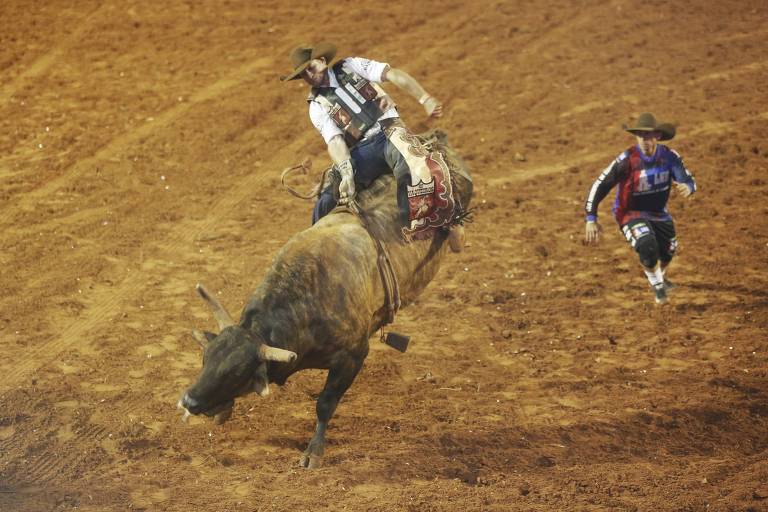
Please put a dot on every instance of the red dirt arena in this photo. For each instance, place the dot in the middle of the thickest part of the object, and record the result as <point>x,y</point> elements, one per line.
<point>141,145</point>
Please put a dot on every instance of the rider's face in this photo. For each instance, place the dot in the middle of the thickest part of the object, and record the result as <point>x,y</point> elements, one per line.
<point>315,72</point>
<point>647,142</point>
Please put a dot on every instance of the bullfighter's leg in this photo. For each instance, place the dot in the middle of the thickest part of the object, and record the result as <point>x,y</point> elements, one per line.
<point>340,377</point>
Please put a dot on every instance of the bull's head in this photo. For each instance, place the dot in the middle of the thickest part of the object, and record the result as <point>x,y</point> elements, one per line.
<point>234,364</point>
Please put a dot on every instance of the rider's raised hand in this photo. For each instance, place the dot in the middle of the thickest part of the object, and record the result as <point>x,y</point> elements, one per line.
<point>432,106</point>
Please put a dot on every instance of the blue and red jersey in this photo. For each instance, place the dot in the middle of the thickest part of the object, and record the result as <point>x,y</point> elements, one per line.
<point>642,184</point>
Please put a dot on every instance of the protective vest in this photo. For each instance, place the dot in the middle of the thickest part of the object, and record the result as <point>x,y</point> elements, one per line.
<point>353,106</point>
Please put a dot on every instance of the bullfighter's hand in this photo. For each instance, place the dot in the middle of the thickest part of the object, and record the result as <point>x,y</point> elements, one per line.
<point>433,107</point>
<point>683,189</point>
<point>592,232</point>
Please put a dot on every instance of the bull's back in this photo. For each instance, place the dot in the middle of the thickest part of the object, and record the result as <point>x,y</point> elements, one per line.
<point>324,276</point>
<point>329,271</point>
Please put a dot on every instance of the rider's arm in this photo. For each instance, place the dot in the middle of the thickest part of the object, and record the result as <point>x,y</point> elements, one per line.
<point>409,84</point>
<point>338,150</point>
<point>337,147</point>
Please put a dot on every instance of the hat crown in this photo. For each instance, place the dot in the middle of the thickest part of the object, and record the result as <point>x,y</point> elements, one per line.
<point>300,55</point>
<point>646,120</point>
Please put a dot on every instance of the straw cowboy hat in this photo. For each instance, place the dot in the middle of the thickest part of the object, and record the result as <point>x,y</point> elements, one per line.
<point>302,54</point>
<point>647,123</point>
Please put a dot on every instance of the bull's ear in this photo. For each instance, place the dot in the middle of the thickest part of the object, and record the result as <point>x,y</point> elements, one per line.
<point>203,337</point>
<point>267,353</point>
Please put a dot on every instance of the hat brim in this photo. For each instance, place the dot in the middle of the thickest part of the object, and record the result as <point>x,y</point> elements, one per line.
<point>324,50</point>
<point>296,72</point>
<point>666,131</point>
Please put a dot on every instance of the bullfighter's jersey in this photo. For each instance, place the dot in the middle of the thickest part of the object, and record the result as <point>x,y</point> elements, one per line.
<point>643,184</point>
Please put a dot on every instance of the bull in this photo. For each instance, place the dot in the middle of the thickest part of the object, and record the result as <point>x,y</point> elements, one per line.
<point>318,305</point>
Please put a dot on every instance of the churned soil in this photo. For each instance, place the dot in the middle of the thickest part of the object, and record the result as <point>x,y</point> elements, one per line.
<point>141,145</point>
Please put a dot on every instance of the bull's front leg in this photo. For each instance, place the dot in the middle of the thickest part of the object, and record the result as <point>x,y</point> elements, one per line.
<point>340,377</point>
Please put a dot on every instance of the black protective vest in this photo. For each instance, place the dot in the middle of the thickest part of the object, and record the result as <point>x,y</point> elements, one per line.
<point>355,108</point>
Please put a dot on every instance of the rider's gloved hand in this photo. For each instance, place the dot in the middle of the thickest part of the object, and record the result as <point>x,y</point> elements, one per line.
<point>347,185</point>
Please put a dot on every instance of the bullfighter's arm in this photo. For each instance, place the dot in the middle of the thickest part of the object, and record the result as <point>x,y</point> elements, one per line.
<point>406,82</point>
<point>686,184</point>
<point>599,189</point>
<point>339,153</point>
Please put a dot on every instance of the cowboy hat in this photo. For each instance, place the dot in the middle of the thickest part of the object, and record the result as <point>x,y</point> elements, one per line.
<point>302,54</point>
<point>647,123</point>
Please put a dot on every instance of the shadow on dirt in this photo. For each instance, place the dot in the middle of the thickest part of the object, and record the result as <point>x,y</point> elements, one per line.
<point>641,437</point>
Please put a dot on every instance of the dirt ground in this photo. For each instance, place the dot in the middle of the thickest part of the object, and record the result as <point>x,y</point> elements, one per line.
<point>140,151</point>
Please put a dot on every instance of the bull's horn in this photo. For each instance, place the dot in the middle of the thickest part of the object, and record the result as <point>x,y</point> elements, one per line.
<point>219,313</point>
<point>267,353</point>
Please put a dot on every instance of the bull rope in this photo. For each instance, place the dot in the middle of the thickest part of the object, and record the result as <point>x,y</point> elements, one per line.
<point>305,166</point>
<point>383,261</point>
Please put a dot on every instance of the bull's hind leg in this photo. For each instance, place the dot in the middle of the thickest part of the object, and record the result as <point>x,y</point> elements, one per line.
<point>340,377</point>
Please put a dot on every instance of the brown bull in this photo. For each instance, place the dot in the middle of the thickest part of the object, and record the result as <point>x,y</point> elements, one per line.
<point>317,307</point>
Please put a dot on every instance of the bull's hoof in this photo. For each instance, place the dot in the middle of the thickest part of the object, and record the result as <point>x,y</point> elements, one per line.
<point>223,416</point>
<point>310,460</point>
